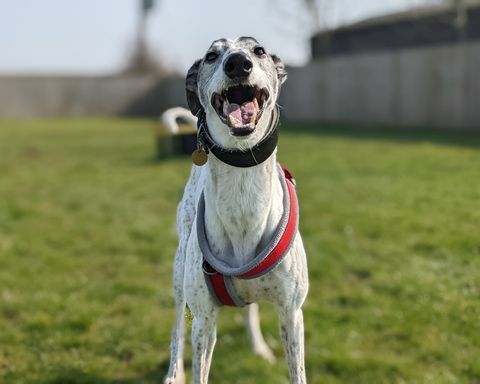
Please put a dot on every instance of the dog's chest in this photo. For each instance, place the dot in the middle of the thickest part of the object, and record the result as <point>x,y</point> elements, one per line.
<point>241,203</point>
<point>238,213</point>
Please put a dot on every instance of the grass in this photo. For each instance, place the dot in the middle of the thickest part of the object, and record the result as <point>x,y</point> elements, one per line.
<point>390,221</point>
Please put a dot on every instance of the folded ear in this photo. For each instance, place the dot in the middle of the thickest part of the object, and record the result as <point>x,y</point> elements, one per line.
<point>281,71</point>
<point>191,87</point>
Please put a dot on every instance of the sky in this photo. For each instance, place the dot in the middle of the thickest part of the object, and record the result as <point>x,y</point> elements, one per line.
<point>96,36</point>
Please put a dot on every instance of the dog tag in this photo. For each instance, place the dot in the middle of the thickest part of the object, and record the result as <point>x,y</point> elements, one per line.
<point>199,157</point>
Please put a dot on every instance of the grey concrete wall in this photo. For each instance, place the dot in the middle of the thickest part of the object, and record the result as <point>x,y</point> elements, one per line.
<point>28,97</point>
<point>433,87</point>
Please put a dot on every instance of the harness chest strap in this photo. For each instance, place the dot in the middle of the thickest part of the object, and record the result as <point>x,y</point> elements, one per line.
<point>218,274</point>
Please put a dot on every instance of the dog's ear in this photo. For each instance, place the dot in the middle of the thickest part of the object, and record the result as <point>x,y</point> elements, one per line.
<point>191,87</point>
<point>281,71</point>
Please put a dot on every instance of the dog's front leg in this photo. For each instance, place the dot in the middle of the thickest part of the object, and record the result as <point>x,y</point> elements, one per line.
<point>176,374</point>
<point>204,313</point>
<point>204,336</point>
<point>291,331</point>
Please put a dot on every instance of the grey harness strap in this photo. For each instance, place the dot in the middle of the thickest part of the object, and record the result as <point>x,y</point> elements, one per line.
<point>220,265</point>
<point>219,275</point>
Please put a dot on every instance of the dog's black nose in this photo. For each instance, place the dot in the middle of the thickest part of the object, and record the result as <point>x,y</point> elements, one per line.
<point>238,66</point>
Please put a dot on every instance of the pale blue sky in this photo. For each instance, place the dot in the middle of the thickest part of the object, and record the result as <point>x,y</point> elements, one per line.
<point>94,36</point>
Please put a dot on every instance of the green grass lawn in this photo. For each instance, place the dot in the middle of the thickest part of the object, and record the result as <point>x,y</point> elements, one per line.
<point>390,219</point>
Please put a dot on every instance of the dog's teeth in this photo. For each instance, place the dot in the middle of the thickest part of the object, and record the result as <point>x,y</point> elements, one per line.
<point>225,107</point>
<point>232,121</point>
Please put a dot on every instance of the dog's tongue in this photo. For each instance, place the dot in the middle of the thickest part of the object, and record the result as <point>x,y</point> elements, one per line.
<point>242,115</point>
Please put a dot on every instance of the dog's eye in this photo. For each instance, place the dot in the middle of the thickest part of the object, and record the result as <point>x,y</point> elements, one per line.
<point>211,57</point>
<point>259,51</point>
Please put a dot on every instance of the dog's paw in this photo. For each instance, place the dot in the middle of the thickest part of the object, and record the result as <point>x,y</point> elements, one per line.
<point>176,378</point>
<point>179,379</point>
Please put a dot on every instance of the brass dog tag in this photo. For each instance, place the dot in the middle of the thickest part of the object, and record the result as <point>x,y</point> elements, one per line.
<point>199,157</point>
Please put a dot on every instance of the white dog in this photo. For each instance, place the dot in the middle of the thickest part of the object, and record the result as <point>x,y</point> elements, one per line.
<point>237,221</point>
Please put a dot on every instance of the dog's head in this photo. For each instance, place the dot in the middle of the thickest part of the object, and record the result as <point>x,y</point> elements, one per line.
<point>236,84</point>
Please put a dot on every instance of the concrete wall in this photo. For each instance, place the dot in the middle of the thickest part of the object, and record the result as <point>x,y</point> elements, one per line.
<point>29,97</point>
<point>430,86</point>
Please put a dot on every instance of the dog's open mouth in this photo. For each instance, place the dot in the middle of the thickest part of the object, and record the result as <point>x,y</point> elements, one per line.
<point>240,107</point>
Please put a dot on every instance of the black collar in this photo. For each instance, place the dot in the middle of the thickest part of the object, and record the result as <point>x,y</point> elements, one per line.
<point>237,158</point>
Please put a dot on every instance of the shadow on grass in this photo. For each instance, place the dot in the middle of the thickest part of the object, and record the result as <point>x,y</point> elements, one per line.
<point>457,138</point>
<point>461,138</point>
<point>68,375</point>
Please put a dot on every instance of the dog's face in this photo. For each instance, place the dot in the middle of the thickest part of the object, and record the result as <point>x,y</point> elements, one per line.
<point>237,84</point>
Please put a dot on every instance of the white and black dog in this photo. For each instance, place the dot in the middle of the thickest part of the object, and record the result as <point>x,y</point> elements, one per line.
<point>238,218</point>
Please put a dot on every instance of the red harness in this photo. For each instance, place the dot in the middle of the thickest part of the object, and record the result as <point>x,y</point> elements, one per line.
<point>221,287</point>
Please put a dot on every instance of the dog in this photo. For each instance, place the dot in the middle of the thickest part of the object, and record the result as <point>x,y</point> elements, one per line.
<point>236,204</point>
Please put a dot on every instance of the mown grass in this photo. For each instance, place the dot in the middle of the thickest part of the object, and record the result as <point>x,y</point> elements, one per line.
<point>390,220</point>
